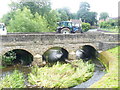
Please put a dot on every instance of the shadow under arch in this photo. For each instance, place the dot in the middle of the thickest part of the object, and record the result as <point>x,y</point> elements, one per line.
<point>22,56</point>
<point>55,54</point>
<point>86,52</point>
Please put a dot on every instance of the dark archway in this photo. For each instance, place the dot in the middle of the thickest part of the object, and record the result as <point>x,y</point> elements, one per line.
<point>55,54</point>
<point>21,56</point>
<point>86,52</point>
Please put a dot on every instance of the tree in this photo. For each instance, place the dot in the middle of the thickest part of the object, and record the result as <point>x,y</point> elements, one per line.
<point>83,11</point>
<point>7,17</point>
<point>52,18</point>
<point>63,15</point>
<point>24,21</point>
<point>104,15</point>
<point>91,18</point>
<point>39,6</point>
<point>42,7</point>
<point>84,6</point>
<point>85,15</point>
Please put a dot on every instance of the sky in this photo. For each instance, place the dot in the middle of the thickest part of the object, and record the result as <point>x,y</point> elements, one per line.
<point>109,6</point>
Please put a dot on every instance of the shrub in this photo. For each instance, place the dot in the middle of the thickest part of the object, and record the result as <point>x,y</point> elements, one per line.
<point>8,58</point>
<point>85,27</point>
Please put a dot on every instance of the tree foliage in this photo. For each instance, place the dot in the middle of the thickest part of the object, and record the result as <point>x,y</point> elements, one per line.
<point>39,6</point>
<point>85,15</point>
<point>37,16</point>
<point>104,15</point>
<point>109,24</point>
<point>24,21</point>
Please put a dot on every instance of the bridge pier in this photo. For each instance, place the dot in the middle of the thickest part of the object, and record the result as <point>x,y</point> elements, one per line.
<point>72,55</point>
<point>37,60</point>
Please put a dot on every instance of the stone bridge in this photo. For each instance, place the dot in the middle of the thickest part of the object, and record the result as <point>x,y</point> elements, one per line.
<point>37,43</point>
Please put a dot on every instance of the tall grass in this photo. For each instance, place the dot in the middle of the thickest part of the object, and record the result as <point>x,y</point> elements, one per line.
<point>14,80</point>
<point>61,75</point>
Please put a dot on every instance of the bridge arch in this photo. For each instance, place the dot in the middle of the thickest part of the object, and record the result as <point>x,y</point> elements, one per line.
<point>22,56</point>
<point>86,52</point>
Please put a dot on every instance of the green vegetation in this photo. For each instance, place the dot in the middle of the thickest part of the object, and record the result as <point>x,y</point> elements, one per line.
<point>61,75</point>
<point>14,80</point>
<point>104,15</point>
<point>110,80</point>
<point>111,29</point>
<point>111,25</point>
<point>38,16</point>
<point>28,22</point>
<point>8,58</point>
<point>86,15</point>
<point>85,27</point>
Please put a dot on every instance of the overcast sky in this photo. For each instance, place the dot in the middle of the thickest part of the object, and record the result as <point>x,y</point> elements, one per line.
<point>110,6</point>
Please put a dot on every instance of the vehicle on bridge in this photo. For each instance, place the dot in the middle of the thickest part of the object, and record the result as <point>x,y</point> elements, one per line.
<point>66,27</point>
<point>3,30</point>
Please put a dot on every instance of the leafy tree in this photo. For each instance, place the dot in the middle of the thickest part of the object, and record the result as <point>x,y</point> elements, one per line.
<point>104,15</point>
<point>91,18</point>
<point>42,7</point>
<point>39,6</point>
<point>83,11</point>
<point>7,17</point>
<point>84,6</point>
<point>85,15</point>
<point>52,18</point>
<point>24,21</point>
<point>63,15</point>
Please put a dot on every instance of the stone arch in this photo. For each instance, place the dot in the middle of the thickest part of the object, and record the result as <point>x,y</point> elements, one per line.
<point>22,56</point>
<point>86,52</point>
<point>13,48</point>
<point>52,46</point>
<point>54,54</point>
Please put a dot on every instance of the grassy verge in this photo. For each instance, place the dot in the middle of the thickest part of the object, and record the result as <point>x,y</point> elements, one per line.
<point>14,80</point>
<point>111,30</point>
<point>61,75</point>
<point>110,80</point>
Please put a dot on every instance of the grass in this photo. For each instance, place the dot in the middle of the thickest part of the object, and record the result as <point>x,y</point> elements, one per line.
<point>111,29</point>
<point>2,66</point>
<point>110,80</point>
<point>14,80</point>
<point>61,75</point>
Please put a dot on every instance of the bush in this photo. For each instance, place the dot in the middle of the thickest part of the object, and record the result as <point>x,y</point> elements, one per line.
<point>111,24</point>
<point>8,58</point>
<point>85,27</point>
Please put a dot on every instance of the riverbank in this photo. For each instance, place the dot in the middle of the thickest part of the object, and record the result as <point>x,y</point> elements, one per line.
<point>110,58</point>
